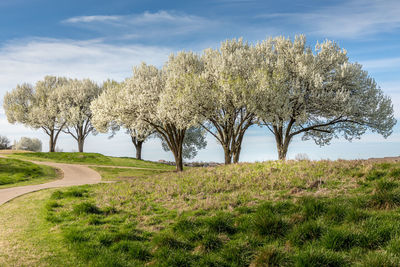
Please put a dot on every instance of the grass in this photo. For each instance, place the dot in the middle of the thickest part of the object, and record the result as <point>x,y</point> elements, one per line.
<point>90,159</point>
<point>26,239</point>
<point>264,214</point>
<point>120,174</point>
<point>15,172</point>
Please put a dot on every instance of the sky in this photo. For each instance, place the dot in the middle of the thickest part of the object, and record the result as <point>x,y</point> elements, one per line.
<point>101,39</point>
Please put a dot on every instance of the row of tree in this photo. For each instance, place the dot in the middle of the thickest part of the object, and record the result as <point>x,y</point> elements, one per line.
<point>280,84</point>
<point>55,104</point>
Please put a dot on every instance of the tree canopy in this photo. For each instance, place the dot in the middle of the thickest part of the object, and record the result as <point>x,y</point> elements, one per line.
<point>74,99</point>
<point>37,107</point>
<point>282,84</point>
<point>107,117</point>
<point>319,94</point>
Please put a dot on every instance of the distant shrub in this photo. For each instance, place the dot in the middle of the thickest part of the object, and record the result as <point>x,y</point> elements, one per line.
<point>29,144</point>
<point>4,142</point>
<point>301,157</point>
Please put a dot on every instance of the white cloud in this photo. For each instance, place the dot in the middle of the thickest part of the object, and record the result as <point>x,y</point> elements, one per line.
<point>87,19</point>
<point>30,60</point>
<point>144,25</point>
<point>350,19</point>
<point>382,64</point>
<point>161,16</point>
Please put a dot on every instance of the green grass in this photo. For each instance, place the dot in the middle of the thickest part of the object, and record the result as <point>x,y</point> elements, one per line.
<point>262,214</point>
<point>15,172</point>
<point>120,174</point>
<point>27,239</point>
<point>90,159</point>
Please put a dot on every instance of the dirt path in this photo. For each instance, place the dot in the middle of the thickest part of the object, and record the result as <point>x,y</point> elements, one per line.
<point>72,175</point>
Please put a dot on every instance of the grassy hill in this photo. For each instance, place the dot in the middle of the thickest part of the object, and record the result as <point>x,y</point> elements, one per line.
<point>327,213</point>
<point>15,172</point>
<point>90,159</point>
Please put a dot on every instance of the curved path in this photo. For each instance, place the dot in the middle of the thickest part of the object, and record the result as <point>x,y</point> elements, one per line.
<point>73,175</point>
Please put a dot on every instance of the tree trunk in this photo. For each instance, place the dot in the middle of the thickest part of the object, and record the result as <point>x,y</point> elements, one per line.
<point>283,149</point>
<point>178,162</point>
<point>228,155</point>
<point>177,147</point>
<point>81,142</point>
<point>52,142</point>
<point>51,145</point>
<point>236,155</point>
<point>237,148</point>
<point>138,147</point>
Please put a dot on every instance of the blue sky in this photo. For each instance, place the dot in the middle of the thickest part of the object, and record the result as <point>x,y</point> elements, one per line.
<point>104,39</point>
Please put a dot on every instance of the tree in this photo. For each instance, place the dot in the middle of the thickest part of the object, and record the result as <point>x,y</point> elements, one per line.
<point>157,97</point>
<point>107,119</point>
<point>195,139</point>
<point>37,107</point>
<point>4,142</point>
<point>75,98</point>
<point>29,144</point>
<point>223,99</point>
<point>319,94</point>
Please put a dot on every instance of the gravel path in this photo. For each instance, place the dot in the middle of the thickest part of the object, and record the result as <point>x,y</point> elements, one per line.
<point>72,175</point>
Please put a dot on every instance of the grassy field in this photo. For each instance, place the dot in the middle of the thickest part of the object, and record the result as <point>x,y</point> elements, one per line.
<point>90,159</point>
<point>15,172</point>
<point>122,174</point>
<point>340,213</point>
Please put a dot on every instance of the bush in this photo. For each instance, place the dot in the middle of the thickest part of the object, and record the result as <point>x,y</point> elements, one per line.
<point>29,144</point>
<point>302,157</point>
<point>4,142</point>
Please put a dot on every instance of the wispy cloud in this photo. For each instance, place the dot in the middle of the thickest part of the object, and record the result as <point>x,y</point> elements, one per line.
<point>382,63</point>
<point>349,19</point>
<point>144,25</point>
<point>88,19</point>
<point>30,60</point>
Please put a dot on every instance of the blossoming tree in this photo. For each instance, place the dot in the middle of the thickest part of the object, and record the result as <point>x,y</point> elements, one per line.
<point>75,98</point>
<point>318,94</point>
<point>107,118</point>
<point>222,99</point>
<point>37,107</point>
<point>157,97</point>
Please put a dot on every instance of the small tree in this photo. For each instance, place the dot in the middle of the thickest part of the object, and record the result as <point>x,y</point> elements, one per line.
<point>37,107</point>
<point>222,100</point>
<point>158,98</point>
<point>318,94</point>
<point>106,117</point>
<point>75,98</point>
<point>29,144</point>
<point>4,142</point>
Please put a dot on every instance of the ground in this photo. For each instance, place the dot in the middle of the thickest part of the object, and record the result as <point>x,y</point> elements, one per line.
<point>15,172</point>
<point>326,213</point>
